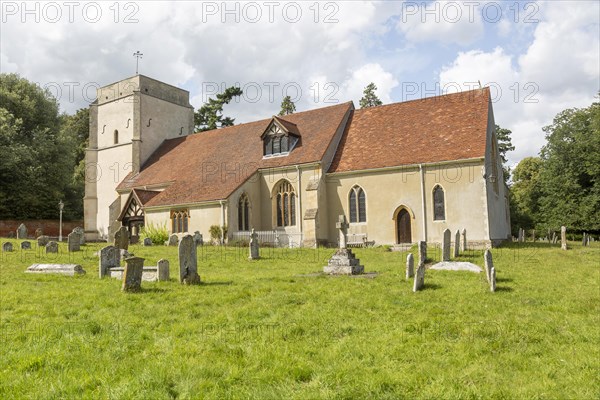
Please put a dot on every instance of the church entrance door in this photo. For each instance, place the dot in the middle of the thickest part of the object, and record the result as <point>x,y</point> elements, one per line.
<point>403,227</point>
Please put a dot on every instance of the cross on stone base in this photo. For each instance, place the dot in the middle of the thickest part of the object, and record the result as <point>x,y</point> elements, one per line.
<point>342,225</point>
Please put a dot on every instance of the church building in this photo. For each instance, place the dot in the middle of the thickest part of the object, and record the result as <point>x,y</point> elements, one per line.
<point>399,173</point>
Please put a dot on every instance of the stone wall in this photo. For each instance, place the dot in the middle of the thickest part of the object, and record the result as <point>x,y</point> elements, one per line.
<point>49,226</point>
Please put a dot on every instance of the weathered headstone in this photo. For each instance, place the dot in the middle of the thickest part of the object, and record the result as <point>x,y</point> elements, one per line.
<point>43,240</point>
<point>7,246</point>
<point>26,245</point>
<point>22,232</point>
<point>563,237</point>
<point>79,230</point>
<point>63,269</point>
<point>521,235</point>
<point>446,245</point>
<point>73,241</point>
<point>410,266</point>
<point>110,257</point>
<point>419,281</point>
<point>147,242</point>
<point>132,275</point>
<point>188,263</point>
<point>39,232</point>
<point>463,243</point>
<point>583,239</point>
<point>493,279</point>
<point>456,243</point>
<point>173,240</point>
<point>52,247</point>
<point>163,270</point>
<point>122,238</point>
<point>422,252</point>
<point>198,239</point>
<point>343,262</point>
<point>254,250</point>
<point>489,264</point>
<point>533,235</point>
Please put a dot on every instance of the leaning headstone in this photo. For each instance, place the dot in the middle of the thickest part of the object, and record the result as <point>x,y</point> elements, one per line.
<point>147,242</point>
<point>73,241</point>
<point>79,230</point>
<point>132,275</point>
<point>563,237</point>
<point>446,246</point>
<point>110,257</point>
<point>419,281</point>
<point>62,269</point>
<point>463,243</point>
<point>43,240</point>
<point>254,250</point>
<point>22,232</point>
<point>493,279</point>
<point>52,247</point>
<point>198,240</point>
<point>173,240</point>
<point>26,245</point>
<point>122,238</point>
<point>7,246</point>
<point>456,243</point>
<point>410,266</point>
<point>343,261</point>
<point>422,251</point>
<point>188,263</point>
<point>163,270</point>
<point>489,264</point>
<point>39,232</point>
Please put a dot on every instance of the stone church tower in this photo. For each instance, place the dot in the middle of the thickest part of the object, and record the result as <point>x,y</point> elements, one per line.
<point>128,122</point>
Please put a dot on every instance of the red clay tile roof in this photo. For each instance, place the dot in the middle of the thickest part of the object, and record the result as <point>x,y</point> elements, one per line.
<point>450,127</point>
<point>145,196</point>
<point>211,165</point>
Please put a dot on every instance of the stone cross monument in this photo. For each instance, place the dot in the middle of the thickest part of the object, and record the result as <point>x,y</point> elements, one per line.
<point>342,225</point>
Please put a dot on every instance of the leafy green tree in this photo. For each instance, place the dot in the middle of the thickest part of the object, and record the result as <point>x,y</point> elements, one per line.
<point>525,194</point>
<point>369,98</point>
<point>287,106</point>
<point>210,115</point>
<point>504,146</point>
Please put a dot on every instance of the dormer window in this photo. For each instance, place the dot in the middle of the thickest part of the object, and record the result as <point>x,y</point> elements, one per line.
<point>280,138</point>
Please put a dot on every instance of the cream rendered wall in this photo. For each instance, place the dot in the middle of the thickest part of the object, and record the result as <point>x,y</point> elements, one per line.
<point>270,178</point>
<point>252,188</point>
<point>116,115</point>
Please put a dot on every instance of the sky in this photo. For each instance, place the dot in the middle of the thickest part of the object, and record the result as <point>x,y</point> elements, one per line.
<point>538,57</point>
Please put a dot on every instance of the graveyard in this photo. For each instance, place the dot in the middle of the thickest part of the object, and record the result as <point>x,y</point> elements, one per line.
<point>276,326</point>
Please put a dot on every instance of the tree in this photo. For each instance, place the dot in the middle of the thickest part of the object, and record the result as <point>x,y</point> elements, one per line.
<point>525,194</point>
<point>287,106</point>
<point>504,146</point>
<point>369,98</point>
<point>210,115</point>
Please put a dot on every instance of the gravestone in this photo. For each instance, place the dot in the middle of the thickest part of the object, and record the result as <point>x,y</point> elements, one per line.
<point>7,246</point>
<point>163,270</point>
<point>26,245</point>
<point>456,243</point>
<point>62,269</point>
<point>410,266</point>
<point>464,240</point>
<point>422,252</point>
<point>563,238</point>
<point>132,275</point>
<point>254,251</point>
<point>173,240</point>
<point>583,239</point>
<point>493,279</point>
<point>11,235</point>
<point>79,230</point>
<point>73,241</point>
<point>122,238</point>
<point>22,232</point>
<point>198,239</point>
<point>52,247</point>
<point>521,235</point>
<point>533,235</point>
<point>343,262</point>
<point>419,281</point>
<point>43,240</point>
<point>446,246</point>
<point>554,237</point>
<point>188,263</point>
<point>489,264</point>
<point>39,232</point>
<point>147,242</point>
<point>110,257</point>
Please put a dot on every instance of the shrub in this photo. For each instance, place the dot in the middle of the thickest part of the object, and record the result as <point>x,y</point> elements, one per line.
<point>157,233</point>
<point>215,233</point>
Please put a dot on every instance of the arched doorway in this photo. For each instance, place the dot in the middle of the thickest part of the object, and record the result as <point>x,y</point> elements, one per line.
<point>403,231</point>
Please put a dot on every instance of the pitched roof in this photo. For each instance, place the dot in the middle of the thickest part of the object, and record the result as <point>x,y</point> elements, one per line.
<point>211,165</point>
<point>443,128</point>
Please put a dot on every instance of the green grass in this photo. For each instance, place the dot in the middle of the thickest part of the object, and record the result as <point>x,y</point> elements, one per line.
<point>261,330</point>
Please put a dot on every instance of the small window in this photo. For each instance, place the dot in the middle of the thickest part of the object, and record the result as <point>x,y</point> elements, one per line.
<point>439,209</point>
<point>179,221</point>
<point>278,142</point>
<point>116,136</point>
<point>358,205</point>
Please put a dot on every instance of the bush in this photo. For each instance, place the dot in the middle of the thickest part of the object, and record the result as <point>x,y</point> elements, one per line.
<point>217,232</point>
<point>157,233</point>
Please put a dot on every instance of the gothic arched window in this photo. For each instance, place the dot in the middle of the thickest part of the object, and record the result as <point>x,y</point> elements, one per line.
<point>244,213</point>
<point>116,137</point>
<point>285,204</point>
<point>358,205</point>
<point>179,221</point>
<point>439,209</point>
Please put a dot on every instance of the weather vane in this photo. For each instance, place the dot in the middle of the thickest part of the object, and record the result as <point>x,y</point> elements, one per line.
<point>137,56</point>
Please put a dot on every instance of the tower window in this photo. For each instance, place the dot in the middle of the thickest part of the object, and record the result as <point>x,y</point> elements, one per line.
<point>116,137</point>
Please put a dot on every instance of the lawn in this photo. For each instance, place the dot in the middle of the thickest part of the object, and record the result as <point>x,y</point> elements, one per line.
<point>273,329</point>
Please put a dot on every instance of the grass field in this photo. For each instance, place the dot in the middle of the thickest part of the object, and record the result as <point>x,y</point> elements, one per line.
<point>268,329</point>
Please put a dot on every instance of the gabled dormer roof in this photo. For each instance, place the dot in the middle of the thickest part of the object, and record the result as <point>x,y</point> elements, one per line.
<point>286,126</point>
